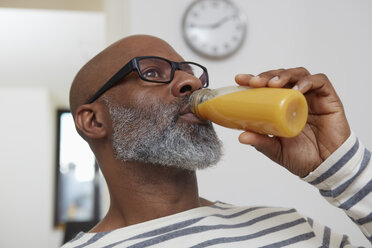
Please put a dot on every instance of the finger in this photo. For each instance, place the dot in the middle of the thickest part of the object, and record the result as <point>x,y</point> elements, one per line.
<point>318,82</point>
<point>243,79</point>
<point>274,78</point>
<point>256,81</point>
<point>263,143</point>
<point>251,80</point>
<point>320,94</point>
<point>262,79</point>
<point>287,78</point>
<point>267,75</point>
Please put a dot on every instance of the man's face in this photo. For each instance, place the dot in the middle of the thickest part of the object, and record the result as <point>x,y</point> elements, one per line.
<point>153,132</point>
<point>150,121</point>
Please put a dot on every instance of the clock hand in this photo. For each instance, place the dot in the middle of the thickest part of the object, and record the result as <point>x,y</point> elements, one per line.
<point>217,24</point>
<point>225,19</point>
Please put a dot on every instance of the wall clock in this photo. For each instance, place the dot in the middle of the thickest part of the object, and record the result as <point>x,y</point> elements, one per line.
<point>214,28</point>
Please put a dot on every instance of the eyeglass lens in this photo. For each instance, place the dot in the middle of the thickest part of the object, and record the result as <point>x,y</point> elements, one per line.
<point>159,70</point>
<point>155,69</point>
<point>196,71</point>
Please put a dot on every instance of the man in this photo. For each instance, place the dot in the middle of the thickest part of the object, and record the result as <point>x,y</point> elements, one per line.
<point>130,103</point>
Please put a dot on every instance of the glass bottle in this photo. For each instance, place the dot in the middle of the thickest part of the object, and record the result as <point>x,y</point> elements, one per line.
<point>271,111</point>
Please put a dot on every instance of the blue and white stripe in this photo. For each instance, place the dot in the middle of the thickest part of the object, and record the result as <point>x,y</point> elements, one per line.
<point>344,179</point>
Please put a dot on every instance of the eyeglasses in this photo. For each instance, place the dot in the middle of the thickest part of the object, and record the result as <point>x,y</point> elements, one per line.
<point>156,70</point>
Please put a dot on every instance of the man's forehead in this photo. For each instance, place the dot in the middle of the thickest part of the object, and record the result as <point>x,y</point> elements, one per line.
<point>105,64</point>
<point>146,46</point>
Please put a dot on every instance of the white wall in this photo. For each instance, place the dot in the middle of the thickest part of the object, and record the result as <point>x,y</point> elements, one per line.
<point>27,169</point>
<point>40,53</point>
<point>333,37</point>
<point>44,49</point>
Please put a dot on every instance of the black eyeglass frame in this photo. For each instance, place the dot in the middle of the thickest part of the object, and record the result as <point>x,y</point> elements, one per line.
<point>133,65</point>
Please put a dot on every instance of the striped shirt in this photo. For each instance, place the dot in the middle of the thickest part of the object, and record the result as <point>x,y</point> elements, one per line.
<point>344,179</point>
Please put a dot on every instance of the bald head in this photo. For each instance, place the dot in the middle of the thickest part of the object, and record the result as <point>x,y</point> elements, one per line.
<point>104,65</point>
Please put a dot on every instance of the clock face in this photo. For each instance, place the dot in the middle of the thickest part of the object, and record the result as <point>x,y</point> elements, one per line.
<point>214,28</point>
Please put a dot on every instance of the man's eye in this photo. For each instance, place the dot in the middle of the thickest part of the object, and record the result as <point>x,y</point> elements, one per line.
<point>151,73</point>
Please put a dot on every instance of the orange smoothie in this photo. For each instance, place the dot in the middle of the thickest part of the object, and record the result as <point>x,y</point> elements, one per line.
<point>274,111</point>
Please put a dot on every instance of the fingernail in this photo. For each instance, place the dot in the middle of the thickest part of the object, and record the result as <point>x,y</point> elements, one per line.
<point>274,79</point>
<point>295,87</point>
<point>256,77</point>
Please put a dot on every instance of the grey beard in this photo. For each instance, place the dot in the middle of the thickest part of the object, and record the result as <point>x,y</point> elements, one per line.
<point>154,134</point>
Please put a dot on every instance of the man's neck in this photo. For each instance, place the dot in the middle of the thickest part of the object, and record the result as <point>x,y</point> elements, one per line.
<point>141,192</point>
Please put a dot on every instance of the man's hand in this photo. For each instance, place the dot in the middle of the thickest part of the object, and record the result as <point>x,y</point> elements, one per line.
<point>326,128</point>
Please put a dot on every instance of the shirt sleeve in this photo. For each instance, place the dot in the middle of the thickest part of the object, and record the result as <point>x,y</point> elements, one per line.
<point>345,180</point>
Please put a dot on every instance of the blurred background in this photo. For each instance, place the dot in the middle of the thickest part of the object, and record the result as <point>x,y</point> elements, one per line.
<point>43,44</point>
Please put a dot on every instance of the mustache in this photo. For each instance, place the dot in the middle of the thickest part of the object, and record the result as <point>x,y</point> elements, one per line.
<point>172,110</point>
<point>155,107</point>
<point>180,103</point>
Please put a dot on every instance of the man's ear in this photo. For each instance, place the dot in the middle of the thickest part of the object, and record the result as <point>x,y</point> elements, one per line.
<point>91,120</point>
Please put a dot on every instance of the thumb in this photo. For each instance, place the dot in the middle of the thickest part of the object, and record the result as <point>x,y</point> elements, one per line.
<point>267,145</point>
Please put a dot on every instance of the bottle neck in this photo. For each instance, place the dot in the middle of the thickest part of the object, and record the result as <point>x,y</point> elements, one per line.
<point>203,95</point>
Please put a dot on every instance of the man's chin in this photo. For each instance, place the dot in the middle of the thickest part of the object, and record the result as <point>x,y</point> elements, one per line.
<point>189,167</point>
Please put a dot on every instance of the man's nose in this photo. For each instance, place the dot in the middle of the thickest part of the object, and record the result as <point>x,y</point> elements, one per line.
<point>184,84</point>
